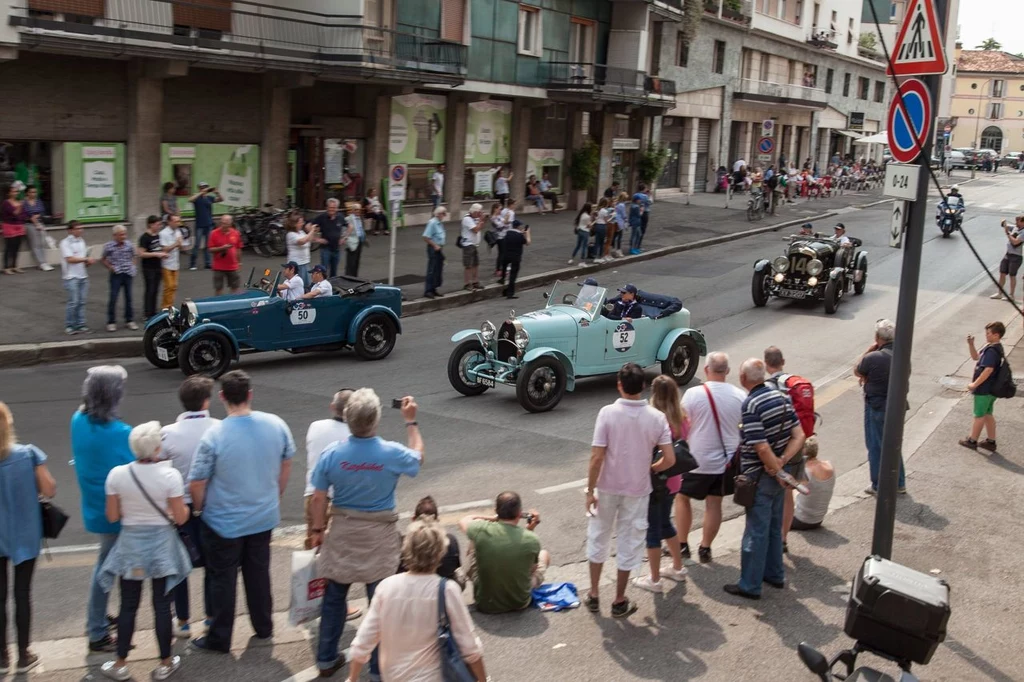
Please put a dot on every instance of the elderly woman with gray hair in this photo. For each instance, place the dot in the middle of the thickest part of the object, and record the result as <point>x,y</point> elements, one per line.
<point>99,442</point>
<point>363,544</point>
<point>403,616</point>
<point>148,498</point>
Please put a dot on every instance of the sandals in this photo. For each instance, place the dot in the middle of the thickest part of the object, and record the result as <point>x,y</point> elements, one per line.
<point>593,604</point>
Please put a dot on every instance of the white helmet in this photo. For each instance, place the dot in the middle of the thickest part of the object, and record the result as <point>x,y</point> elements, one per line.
<point>955,188</point>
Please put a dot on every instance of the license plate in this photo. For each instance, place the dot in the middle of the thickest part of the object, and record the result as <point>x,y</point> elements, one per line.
<point>485,381</point>
<point>163,354</point>
<point>792,293</point>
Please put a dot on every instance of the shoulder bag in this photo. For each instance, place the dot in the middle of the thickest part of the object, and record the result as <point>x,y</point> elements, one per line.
<point>684,464</point>
<point>54,519</point>
<point>453,668</point>
<point>186,539</point>
<point>732,464</point>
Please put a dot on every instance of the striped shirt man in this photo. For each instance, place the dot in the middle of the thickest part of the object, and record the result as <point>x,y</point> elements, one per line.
<point>767,417</point>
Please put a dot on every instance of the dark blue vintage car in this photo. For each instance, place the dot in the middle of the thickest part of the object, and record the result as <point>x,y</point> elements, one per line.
<point>205,336</point>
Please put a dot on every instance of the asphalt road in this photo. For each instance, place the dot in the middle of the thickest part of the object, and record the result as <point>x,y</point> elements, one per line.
<point>477,447</point>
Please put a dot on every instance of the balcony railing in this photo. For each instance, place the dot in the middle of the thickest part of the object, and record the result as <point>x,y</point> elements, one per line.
<point>734,11</point>
<point>823,39</point>
<point>783,91</point>
<point>247,30</point>
<point>605,81</point>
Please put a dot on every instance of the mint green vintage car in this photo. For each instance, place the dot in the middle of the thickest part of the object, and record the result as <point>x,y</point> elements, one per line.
<point>543,353</point>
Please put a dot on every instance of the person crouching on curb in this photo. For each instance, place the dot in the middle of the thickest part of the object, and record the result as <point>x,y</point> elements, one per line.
<point>988,358</point>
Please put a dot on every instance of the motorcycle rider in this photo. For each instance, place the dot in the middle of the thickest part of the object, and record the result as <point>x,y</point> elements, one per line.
<point>953,200</point>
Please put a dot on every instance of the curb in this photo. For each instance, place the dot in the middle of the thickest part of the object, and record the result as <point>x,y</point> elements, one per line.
<point>24,355</point>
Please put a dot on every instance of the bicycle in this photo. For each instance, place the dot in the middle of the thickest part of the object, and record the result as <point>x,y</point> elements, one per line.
<point>755,206</point>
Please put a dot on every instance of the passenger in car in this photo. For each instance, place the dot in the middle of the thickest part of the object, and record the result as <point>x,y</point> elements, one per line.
<point>626,307</point>
<point>321,287</point>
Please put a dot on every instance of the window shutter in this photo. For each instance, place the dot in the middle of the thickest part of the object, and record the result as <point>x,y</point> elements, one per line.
<point>85,8</point>
<point>212,15</point>
<point>453,15</point>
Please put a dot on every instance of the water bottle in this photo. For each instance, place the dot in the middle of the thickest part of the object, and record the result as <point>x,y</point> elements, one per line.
<point>788,479</point>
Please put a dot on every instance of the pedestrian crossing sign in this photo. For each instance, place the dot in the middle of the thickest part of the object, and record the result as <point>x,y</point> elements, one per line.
<point>919,50</point>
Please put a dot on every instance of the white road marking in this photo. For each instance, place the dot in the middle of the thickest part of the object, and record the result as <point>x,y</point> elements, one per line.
<point>561,486</point>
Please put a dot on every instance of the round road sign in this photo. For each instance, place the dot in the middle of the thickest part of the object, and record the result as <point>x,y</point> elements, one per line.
<point>766,145</point>
<point>909,120</point>
<point>398,173</point>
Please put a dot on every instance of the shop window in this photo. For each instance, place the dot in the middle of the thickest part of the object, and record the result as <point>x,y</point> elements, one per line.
<point>879,91</point>
<point>211,18</point>
<point>846,85</point>
<point>829,75</point>
<point>529,31</point>
<point>453,19</point>
<point>417,190</point>
<point>682,51</point>
<point>718,65</point>
<point>864,84</point>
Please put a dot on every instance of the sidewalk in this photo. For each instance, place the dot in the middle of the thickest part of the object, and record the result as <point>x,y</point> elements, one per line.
<point>33,308</point>
<point>944,526</point>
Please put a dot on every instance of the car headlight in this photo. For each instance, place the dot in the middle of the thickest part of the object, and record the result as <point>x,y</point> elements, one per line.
<point>780,264</point>
<point>487,330</point>
<point>522,338</point>
<point>191,312</point>
<point>814,267</point>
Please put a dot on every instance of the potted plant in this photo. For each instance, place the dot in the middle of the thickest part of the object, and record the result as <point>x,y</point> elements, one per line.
<point>583,170</point>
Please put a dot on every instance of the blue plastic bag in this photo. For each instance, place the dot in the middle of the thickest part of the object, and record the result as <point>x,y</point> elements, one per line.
<point>555,597</point>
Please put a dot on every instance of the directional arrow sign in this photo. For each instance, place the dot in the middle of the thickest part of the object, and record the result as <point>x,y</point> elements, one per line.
<point>919,48</point>
<point>899,212</point>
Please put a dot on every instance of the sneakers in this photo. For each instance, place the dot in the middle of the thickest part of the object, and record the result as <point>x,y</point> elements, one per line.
<point>570,261</point>
<point>203,644</point>
<point>987,444</point>
<point>111,327</point>
<point>674,575</point>
<point>46,267</point>
<point>705,554</point>
<point>106,645</point>
<point>182,631</point>
<point>624,608</point>
<point>969,443</point>
<point>162,672</point>
<point>112,670</point>
<point>70,331</point>
<point>996,296</point>
<point>870,491</point>
<point>193,268</point>
<point>593,604</point>
<point>645,583</point>
<point>132,326</point>
<point>583,264</point>
<point>902,490</point>
<point>84,330</point>
<point>353,613</point>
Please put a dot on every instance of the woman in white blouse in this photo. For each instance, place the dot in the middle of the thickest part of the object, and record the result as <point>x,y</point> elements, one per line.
<point>403,616</point>
<point>298,240</point>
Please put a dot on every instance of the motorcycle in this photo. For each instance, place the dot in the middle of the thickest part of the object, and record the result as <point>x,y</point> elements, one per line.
<point>950,218</point>
<point>822,667</point>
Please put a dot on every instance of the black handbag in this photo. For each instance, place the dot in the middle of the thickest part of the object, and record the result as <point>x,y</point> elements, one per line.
<point>183,535</point>
<point>54,519</point>
<point>453,668</point>
<point>746,489</point>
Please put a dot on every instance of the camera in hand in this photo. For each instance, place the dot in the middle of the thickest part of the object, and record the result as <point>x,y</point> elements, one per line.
<point>396,403</point>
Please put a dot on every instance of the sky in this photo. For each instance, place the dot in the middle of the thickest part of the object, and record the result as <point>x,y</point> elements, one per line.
<point>999,19</point>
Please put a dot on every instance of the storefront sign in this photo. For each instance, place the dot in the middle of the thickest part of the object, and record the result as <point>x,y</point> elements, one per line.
<point>488,127</point>
<point>233,169</point>
<point>334,156</point>
<point>483,182</point>
<point>625,143</point>
<point>94,182</point>
<point>855,120</point>
<point>417,131</point>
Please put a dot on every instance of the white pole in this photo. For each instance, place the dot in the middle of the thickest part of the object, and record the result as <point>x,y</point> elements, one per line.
<point>396,207</point>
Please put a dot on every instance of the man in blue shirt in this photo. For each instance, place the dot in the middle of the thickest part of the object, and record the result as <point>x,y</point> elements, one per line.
<point>643,195</point>
<point>434,236</point>
<point>238,475</point>
<point>203,201</point>
<point>363,544</point>
<point>626,307</point>
<point>770,436</point>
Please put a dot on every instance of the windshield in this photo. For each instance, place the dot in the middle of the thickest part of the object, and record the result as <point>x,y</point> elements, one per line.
<point>587,298</point>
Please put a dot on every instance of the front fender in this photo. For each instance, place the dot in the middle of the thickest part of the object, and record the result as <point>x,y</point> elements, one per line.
<point>570,371</point>
<point>156,319</point>
<point>760,265</point>
<point>467,333</point>
<point>861,262</point>
<point>670,338</point>
<point>211,327</point>
<point>353,326</point>
<point>836,273</point>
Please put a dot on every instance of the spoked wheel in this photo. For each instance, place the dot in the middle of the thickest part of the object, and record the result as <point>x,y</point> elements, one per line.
<point>683,358</point>
<point>276,242</point>
<point>375,338</point>
<point>858,287</point>
<point>466,355</point>
<point>160,344</point>
<point>833,294</point>
<point>541,384</point>
<point>209,354</point>
<point>759,288</point>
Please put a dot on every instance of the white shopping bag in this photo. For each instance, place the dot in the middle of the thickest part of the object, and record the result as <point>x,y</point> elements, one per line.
<point>307,588</point>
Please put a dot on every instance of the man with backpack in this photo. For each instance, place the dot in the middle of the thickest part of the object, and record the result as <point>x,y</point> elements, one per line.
<point>873,371</point>
<point>992,379</point>
<point>800,392</point>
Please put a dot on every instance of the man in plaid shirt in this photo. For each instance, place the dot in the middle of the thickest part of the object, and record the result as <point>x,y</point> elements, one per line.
<point>119,258</point>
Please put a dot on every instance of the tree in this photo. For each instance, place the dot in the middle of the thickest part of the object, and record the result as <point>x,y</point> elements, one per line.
<point>867,41</point>
<point>990,44</point>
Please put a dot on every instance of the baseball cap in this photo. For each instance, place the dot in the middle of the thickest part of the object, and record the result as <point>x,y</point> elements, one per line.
<point>291,264</point>
<point>203,185</point>
<point>589,281</point>
<point>321,269</point>
<point>840,226</point>
<point>807,226</point>
<point>628,289</point>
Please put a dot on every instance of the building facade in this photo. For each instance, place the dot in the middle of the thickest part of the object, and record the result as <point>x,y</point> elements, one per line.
<point>987,109</point>
<point>798,65</point>
<point>108,100</point>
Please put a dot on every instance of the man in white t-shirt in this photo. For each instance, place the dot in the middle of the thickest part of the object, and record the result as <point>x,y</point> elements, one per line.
<point>172,242</point>
<point>712,441</point>
<point>73,263</point>
<point>292,289</point>
<point>320,287</point>
<point>626,433</point>
<point>437,186</point>
<point>180,441</point>
<point>472,223</point>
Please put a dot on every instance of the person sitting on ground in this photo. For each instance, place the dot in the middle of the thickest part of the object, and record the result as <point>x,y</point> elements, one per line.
<point>821,479</point>
<point>625,306</point>
<point>507,562</point>
<point>451,564</point>
<point>321,287</point>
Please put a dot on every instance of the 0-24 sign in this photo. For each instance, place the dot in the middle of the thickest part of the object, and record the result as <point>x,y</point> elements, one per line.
<point>901,181</point>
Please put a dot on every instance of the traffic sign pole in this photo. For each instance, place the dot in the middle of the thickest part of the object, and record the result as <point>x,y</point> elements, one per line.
<point>906,311</point>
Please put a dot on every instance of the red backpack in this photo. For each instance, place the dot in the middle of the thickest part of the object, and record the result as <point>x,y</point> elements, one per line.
<point>801,393</point>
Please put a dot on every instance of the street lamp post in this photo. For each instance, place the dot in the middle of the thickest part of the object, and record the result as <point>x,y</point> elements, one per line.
<point>977,123</point>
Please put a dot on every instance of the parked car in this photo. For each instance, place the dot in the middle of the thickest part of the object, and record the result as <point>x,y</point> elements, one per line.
<point>207,335</point>
<point>957,159</point>
<point>1011,160</point>
<point>543,353</point>
<point>815,267</point>
<point>971,158</point>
